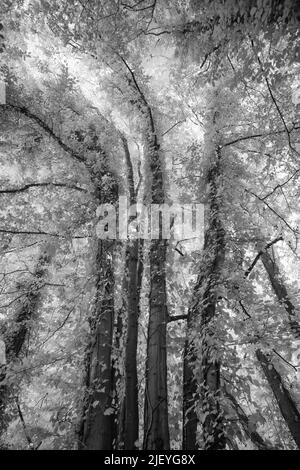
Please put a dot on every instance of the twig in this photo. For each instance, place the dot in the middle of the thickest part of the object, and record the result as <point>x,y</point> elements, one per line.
<point>27,435</point>
<point>252,265</point>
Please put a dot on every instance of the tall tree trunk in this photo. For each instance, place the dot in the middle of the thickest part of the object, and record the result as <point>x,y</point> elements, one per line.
<point>287,406</point>
<point>156,430</point>
<point>201,319</point>
<point>156,427</point>
<point>98,421</point>
<point>285,402</point>
<point>201,369</point>
<point>118,379</point>
<point>280,290</point>
<point>131,414</point>
<point>15,335</point>
<point>133,280</point>
<point>97,427</point>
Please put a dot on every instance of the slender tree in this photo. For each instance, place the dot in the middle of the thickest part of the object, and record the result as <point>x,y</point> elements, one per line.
<point>202,363</point>
<point>280,290</point>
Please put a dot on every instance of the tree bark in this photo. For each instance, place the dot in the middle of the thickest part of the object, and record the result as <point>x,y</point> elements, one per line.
<point>131,414</point>
<point>201,318</point>
<point>97,426</point>
<point>285,402</point>
<point>287,406</point>
<point>156,427</point>
<point>252,433</point>
<point>201,367</point>
<point>133,280</point>
<point>280,290</point>
<point>96,430</point>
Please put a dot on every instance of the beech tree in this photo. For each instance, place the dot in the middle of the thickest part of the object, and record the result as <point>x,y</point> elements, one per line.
<point>112,341</point>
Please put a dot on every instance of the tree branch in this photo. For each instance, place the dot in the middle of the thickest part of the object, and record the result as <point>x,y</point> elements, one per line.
<point>38,232</point>
<point>255,136</point>
<point>268,245</point>
<point>176,318</point>
<point>39,185</point>
<point>23,110</point>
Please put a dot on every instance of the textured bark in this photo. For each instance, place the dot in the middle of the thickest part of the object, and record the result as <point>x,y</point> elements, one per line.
<point>280,290</point>
<point>252,433</point>
<point>16,334</point>
<point>200,325</point>
<point>156,436</point>
<point>97,427</point>
<point>98,421</point>
<point>285,402</point>
<point>131,415</point>
<point>156,427</point>
<point>133,279</point>
<point>287,406</point>
<point>190,394</point>
<point>118,379</point>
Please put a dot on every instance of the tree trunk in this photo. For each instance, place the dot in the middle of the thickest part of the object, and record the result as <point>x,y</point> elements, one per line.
<point>280,290</point>
<point>156,427</point>
<point>249,430</point>
<point>97,427</point>
<point>285,402</point>
<point>201,374</point>
<point>133,279</point>
<point>98,421</point>
<point>131,415</point>
<point>201,318</point>
<point>156,431</point>
<point>190,393</point>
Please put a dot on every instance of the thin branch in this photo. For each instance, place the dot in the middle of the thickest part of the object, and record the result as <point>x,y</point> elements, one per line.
<point>255,136</point>
<point>272,210</point>
<point>178,251</point>
<point>284,360</point>
<point>174,125</point>
<point>273,98</point>
<point>27,435</point>
<point>39,185</point>
<point>280,186</point>
<point>252,265</point>
<point>39,232</point>
<point>176,318</point>
<point>23,110</point>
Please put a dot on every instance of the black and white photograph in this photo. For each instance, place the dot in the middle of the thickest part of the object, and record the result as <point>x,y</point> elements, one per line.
<point>149,228</point>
